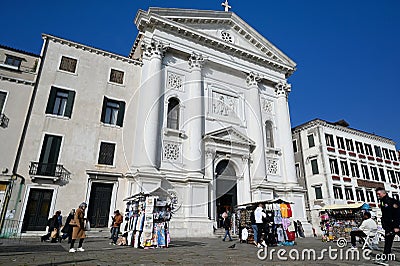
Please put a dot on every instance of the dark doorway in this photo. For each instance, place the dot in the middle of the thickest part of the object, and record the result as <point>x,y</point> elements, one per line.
<point>37,210</point>
<point>226,189</point>
<point>99,204</point>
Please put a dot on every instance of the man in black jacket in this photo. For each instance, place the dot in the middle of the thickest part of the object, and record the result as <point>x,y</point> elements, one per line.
<point>390,218</point>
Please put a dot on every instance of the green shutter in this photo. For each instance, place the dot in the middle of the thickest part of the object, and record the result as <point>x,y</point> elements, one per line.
<point>103,110</point>
<point>121,113</point>
<point>70,103</point>
<point>51,101</point>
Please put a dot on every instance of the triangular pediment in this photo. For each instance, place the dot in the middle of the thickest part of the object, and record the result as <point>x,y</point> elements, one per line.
<point>223,30</point>
<point>230,135</point>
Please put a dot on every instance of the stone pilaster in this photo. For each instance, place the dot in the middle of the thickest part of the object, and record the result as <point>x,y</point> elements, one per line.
<point>255,128</point>
<point>246,179</point>
<point>194,114</point>
<point>147,138</point>
<point>282,90</point>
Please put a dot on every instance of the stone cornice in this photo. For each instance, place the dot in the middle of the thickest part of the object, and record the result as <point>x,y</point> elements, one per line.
<point>16,80</point>
<point>146,21</point>
<point>91,49</point>
<point>320,122</point>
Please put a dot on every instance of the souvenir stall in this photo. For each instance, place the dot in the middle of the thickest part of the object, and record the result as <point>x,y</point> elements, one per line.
<point>147,219</point>
<point>337,221</point>
<point>279,227</point>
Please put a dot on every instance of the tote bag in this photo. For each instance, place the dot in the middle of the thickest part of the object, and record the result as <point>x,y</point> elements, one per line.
<point>87,226</point>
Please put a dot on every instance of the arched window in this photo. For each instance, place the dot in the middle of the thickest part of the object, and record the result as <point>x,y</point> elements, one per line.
<point>173,114</point>
<point>269,135</point>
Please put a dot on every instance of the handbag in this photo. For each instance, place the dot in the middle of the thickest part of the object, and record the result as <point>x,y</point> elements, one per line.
<point>54,233</point>
<point>87,226</point>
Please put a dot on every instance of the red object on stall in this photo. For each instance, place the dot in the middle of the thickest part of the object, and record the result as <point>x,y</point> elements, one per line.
<point>289,210</point>
<point>291,235</point>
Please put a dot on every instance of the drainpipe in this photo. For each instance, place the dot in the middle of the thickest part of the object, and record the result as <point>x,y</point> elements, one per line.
<point>15,174</point>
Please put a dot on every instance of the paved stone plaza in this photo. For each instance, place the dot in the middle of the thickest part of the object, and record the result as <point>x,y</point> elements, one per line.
<point>30,251</point>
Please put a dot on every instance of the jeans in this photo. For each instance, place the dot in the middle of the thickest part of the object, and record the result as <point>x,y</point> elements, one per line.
<point>255,232</point>
<point>227,234</point>
<point>114,234</point>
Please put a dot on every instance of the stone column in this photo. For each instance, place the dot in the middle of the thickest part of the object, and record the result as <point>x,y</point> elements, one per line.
<point>209,175</point>
<point>194,115</point>
<point>282,90</point>
<point>255,127</point>
<point>246,179</point>
<point>148,128</point>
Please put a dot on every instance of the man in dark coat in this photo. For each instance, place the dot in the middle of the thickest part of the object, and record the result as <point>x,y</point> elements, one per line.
<point>390,218</point>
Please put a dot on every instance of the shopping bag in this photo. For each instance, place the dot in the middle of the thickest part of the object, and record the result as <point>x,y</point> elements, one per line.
<point>54,233</point>
<point>87,226</point>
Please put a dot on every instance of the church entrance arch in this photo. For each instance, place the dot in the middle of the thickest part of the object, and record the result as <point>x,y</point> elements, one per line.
<point>226,189</point>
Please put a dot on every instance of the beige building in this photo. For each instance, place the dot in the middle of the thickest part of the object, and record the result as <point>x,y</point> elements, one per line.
<point>342,165</point>
<point>18,71</point>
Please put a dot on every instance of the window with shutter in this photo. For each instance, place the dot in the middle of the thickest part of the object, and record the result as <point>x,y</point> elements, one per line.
<point>3,96</point>
<point>60,102</point>
<point>68,64</point>
<point>106,154</point>
<point>117,76</point>
<point>113,112</point>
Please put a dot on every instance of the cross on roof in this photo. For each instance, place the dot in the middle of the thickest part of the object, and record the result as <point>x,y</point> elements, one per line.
<point>226,5</point>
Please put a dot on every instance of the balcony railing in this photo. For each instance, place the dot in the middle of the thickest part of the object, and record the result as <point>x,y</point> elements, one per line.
<point>50,170</point>
<point>4,120</point>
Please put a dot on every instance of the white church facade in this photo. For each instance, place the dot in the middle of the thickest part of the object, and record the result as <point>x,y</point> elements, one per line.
<point>199,107</point>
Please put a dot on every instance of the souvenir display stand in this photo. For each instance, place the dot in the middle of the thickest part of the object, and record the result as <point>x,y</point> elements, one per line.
<point>277,221</point>
<point>337,221</point>
<point>147,219</point>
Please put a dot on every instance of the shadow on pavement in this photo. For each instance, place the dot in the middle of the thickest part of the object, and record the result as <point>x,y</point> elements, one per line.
<point>185,243</point>
<point>65,262</point>
<point>30,248</point>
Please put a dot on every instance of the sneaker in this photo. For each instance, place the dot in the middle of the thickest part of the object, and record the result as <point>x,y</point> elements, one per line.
<point>381,262</point>
<point>80,249</point>
<point>353,247</point>
<point>259,246</point>
<point>72,250</point>
<point>264,244</point>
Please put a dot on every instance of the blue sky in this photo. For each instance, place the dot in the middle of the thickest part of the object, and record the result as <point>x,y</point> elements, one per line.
<point>347,51</point>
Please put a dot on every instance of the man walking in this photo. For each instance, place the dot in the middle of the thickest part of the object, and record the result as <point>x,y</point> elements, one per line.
<point>259,214</point>
<point>390,220</point>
